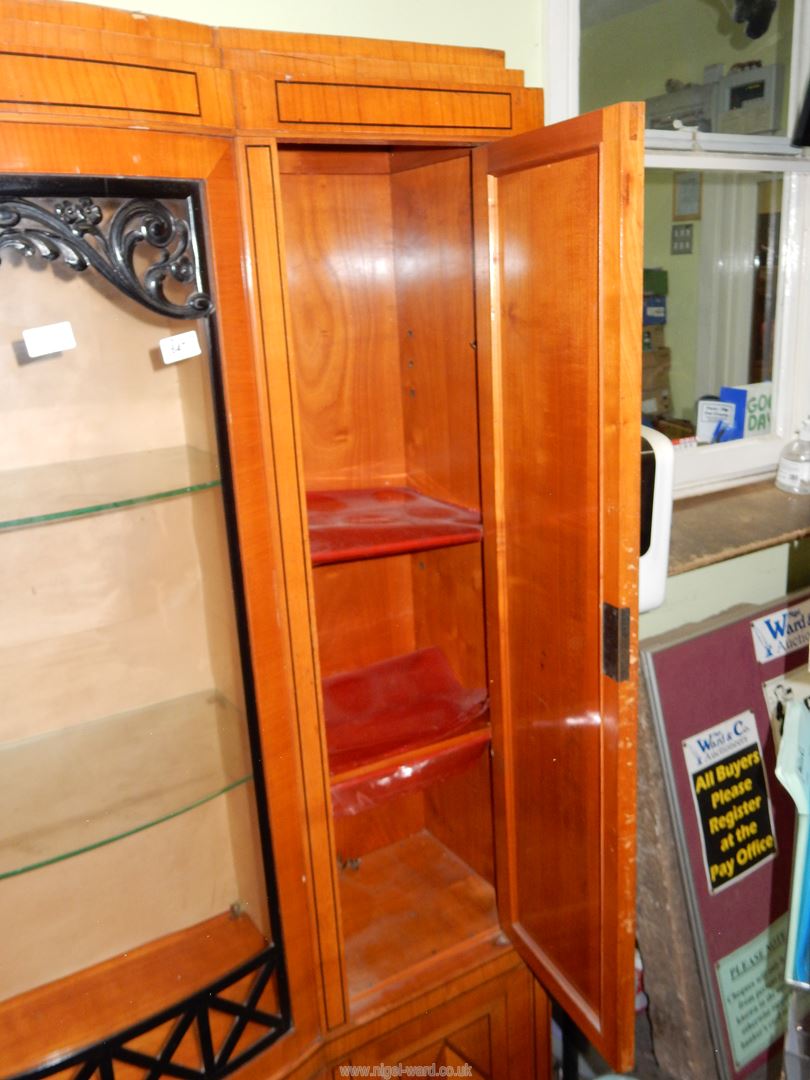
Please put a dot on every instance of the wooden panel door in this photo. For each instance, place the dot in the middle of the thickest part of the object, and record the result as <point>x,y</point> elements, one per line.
<point>559,253</point>
<point>486,1033</point>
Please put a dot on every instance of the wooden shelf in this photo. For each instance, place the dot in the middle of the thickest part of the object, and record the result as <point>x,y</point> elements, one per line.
<point>710,528</point>
<point>70,1013</point>
<point>409,771</point>
<point>370,522</point>
<point>36,496</point>
<point>405,904</point>
<point>77,788</point>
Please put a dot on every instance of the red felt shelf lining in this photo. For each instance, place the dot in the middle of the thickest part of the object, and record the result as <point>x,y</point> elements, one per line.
<point>411,709</point>
<point>370,522</point>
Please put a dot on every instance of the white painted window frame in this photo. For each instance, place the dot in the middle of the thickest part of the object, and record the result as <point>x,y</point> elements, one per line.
<point>710,468</point>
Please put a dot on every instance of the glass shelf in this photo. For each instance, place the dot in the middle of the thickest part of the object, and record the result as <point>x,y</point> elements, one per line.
<point>46,493</point>
<point>68,791</point>
<point>369,522</point>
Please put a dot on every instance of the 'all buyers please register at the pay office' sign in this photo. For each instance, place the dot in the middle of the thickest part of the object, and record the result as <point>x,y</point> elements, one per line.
<point>730,792</point>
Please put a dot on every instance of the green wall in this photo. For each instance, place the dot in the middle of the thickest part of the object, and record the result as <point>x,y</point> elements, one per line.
<point>757,578</point>
<point>683,270</point>
<point>631,57</point>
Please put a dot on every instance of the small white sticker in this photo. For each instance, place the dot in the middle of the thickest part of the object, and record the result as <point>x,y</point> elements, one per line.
<point>45,340</point>
<point>179,347</point>
<point>714,418</point>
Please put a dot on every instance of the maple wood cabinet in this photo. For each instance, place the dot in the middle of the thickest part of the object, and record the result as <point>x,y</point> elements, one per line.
<point>488,1029</point>
<point>424,403</point>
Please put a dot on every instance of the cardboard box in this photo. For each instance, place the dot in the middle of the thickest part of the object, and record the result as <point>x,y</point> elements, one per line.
<point>677,429</point>
<point>660,357</point>
<point>654,379</point>
<point>655,368</point>
<point>656,403</point>
<point>652,337</point>
<point>656,280</point>
<point>655,310</point>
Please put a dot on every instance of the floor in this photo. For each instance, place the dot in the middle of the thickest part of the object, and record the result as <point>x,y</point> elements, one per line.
<point>587,1065</point>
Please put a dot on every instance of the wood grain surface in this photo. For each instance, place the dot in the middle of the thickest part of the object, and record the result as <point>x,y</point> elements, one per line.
<point>559,253</point>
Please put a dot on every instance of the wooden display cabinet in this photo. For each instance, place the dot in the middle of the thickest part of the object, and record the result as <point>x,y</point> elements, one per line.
<point>419,590</point>
<point>136,865</point>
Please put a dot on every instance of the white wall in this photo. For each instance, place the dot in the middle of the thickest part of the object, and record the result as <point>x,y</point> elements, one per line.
<point>757,578</point>
<point>513,26</point>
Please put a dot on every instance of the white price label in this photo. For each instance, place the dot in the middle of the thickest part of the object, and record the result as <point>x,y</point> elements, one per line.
<point>180,347</point>
<point>46,340</point>
<point>793,473</point>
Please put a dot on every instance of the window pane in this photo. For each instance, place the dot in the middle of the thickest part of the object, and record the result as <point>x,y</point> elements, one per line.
<point>711,253</point>
<point>689,61</point>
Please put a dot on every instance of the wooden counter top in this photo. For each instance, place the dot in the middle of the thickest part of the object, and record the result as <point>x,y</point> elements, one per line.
<point>710,528</point>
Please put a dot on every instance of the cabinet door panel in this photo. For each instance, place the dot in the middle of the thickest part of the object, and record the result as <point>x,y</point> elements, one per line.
<point>485,1033</point>
<point>558,226</point>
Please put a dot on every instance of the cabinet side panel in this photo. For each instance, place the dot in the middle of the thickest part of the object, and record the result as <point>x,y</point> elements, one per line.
<point>434,275</point>
<point>307,809</point>
<point>343,307</point>
<point>448,608</point>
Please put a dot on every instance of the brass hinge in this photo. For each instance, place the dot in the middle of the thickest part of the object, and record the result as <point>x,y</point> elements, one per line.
<point>616,642</point>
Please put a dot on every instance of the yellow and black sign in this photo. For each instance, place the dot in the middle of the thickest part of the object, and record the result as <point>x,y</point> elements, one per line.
<point>734,813</point>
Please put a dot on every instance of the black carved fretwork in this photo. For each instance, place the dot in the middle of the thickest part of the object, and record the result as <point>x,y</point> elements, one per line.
<point>73,232</point>
<point>250,1028</point>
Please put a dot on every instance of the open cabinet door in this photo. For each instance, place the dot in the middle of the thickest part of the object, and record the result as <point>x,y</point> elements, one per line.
<point>559,252</point>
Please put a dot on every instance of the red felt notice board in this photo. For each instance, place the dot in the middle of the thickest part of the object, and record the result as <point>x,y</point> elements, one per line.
<point>717,692</point>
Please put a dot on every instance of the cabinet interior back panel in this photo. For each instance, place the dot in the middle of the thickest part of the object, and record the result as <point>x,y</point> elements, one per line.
<point>122,625</point>
<point>377,609</point>
<point>364,613</point>
<point>86,909</point>
<point>111,394</point>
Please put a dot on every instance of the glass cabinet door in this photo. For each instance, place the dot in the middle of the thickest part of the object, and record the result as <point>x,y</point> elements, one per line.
<point>136,885</point>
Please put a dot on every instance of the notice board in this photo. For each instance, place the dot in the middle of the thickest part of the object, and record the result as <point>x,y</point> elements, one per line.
<point>718,693</point>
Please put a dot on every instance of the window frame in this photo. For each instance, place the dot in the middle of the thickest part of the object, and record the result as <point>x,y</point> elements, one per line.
<point>710,468</point>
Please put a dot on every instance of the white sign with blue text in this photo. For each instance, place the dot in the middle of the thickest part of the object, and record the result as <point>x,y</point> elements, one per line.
<point>780,632</point>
